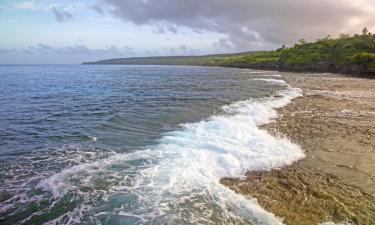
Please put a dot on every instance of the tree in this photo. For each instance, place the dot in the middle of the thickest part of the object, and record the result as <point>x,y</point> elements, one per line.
<point>282,48</point>
<point>344,36</point>
<point>364,31</point>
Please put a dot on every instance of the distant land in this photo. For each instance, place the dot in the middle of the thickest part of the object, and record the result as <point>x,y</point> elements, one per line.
<point>345,54</point>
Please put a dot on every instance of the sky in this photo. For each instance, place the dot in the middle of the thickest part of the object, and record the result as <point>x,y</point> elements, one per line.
<point>75,31</point>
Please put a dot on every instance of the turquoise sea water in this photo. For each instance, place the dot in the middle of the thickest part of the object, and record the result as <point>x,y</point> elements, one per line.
<point>135,144</point>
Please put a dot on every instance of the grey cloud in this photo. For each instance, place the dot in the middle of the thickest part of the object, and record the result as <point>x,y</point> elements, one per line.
<point>43,48</point>
<point>180,50</point>
<point>27,51</point>
<point>6,51</point>
<point>62,16</point>
<point>97,9</point>
<point>172,51</point>
<point>153,53</point>
<point>172,29</point>
<point>128,51</point>
<point>223,43</point>
<point>249,24</point>
<point>163,28</point>
<point>73,54</point>
<point>160,30</point>
<point>183,48</point>
<point>78,50</point>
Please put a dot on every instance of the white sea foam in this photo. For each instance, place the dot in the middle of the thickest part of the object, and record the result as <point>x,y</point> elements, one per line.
<point>271,80</point>
<point>255,72</point>
<point>272,75</point>
<point>188,163</point>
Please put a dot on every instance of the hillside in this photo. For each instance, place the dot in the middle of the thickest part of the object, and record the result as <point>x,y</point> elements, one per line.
<point>345,54</point>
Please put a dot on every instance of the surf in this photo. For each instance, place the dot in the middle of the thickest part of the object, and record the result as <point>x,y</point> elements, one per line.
<point>177,180</point>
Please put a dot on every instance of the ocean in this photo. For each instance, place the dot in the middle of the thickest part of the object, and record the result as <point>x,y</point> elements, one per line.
<point>136,144</point>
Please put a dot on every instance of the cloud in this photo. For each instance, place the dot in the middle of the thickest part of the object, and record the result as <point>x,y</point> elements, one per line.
<point>62,16</point>
<point>63,12</point>
<point>28,5</point>
<point>78,50</point>
<point>97,9</point>
<point>34,6</point>
<point>72,54</point>
<point>223,43</point>
<point>182,50</point>
<point>250,24</point>
<point>128,51</point>
<point>6,51</point>
<point>59,6</point>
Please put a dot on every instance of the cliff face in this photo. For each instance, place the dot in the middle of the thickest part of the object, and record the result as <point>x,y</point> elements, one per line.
<point>328,67</point>
<point>321,67</point>
<point>260,65</point>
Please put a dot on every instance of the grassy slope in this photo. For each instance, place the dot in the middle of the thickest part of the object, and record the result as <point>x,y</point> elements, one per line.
<point>348,54</point>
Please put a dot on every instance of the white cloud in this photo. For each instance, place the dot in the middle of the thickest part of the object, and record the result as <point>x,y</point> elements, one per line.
<point>29,5</point>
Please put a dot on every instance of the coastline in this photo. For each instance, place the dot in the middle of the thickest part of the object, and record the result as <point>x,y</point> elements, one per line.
<point>334,122</point>
<point>313,69</point>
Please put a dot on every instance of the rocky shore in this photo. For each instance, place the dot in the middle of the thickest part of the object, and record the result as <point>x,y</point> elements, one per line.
<point>334,122</point>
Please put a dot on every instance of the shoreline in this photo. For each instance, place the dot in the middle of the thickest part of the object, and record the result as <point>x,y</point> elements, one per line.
<point>334,123</point>
<point>369,75</point>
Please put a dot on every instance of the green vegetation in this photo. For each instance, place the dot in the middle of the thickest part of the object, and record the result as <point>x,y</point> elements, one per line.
<point>346,54</point>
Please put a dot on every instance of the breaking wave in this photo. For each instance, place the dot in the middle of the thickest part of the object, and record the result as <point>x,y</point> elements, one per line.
<point>177,180</point>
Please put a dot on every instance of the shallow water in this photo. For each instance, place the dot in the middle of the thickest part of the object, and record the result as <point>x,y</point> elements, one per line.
<point>165,135</point>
